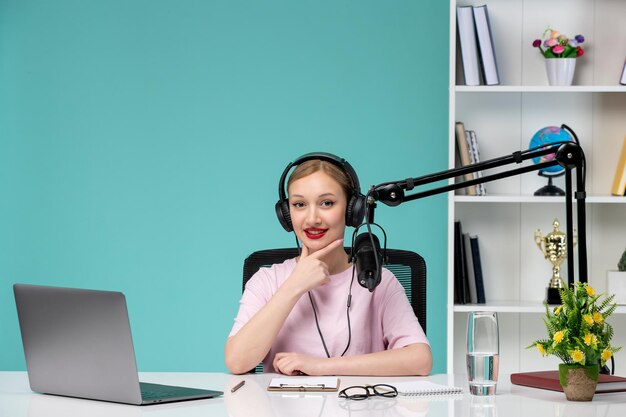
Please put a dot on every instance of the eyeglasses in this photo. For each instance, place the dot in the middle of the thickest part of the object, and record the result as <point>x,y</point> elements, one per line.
<point>362,393</point>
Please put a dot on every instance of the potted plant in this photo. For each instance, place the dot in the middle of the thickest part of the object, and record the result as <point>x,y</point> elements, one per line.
<point>560,53</point>
<point>616,280</point>
<point>580,336</point>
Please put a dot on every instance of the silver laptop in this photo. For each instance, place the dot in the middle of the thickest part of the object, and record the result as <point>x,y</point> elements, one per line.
<point>77,343</point>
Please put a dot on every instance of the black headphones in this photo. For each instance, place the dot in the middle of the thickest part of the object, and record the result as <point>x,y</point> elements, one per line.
<point>355,210</point>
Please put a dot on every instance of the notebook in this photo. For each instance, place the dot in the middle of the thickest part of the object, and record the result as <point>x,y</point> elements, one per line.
<point>550,380</point>
<point>425,388</point>
<point>77,343</point>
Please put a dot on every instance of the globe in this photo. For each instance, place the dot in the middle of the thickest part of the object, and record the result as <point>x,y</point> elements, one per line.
<point>545,137</point>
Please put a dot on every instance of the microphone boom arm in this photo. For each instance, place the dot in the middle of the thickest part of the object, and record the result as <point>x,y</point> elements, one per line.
<point>567,154</point>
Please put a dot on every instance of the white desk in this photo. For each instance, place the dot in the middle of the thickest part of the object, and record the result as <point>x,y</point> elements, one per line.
<point>16,400</point>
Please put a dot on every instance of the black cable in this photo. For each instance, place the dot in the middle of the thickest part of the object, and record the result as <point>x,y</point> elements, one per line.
<point>583,168</point>
<point>317,324</point>
<point>348,304</point>
<point>348,310</point>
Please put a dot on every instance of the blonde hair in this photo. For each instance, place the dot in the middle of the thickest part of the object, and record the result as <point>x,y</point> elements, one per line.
<point>314,165</point>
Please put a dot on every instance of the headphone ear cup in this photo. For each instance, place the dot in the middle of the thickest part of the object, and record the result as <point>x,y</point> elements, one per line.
<point>284,217</point>
<point>355,210</point>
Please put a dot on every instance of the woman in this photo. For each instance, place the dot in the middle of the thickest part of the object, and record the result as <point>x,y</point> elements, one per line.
<point>304,316</point>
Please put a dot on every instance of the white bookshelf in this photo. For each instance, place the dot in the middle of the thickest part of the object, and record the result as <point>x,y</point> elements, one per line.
<point>505,117</point>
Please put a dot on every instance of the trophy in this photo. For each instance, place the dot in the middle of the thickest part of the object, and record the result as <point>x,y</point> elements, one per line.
<point>554,248</point>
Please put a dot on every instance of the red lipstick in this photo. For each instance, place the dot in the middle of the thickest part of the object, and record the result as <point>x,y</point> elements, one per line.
<point>315,233</point>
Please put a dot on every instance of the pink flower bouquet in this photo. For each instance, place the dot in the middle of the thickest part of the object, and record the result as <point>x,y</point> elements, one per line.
<point>557,45</point>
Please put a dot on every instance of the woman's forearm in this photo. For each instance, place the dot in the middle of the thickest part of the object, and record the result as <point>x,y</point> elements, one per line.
<point>415,359</point>
<point>252,342</point>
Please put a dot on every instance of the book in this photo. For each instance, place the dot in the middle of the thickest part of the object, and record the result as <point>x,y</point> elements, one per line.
<point>469,46</point>
<point>469,267</point>
<point>485,45</point>
<point>619,181</point>
<point>475,158</point>
<point>304,383</point>
<point>550,380</point>
<point>622,80</point>
<point>425,388</point>
<point>460,295</point>
<point>464,155</point>
<point>478,270</point>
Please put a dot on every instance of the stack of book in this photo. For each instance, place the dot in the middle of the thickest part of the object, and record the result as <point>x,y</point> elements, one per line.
<point>476,41</point>
<point>468,153</point>
<point>469,284</point>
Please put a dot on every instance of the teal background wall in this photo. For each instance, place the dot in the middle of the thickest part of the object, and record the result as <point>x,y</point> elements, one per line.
<point>141,144</point>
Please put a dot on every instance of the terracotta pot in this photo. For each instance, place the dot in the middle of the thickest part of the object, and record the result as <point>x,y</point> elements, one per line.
<point>578,382</point>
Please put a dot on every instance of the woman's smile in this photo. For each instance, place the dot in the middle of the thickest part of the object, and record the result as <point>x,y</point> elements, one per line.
<point>315,233</point>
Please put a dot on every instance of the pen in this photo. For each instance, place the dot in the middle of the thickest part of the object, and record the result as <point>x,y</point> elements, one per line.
<point>236,387</point>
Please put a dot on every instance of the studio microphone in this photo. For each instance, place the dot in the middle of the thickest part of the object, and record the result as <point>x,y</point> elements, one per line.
<point>368,260</point>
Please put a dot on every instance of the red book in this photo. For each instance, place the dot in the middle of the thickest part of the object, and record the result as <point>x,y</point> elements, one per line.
<point>550,380</point>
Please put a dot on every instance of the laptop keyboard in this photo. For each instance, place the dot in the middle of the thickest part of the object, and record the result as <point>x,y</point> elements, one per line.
<point>156,391</point>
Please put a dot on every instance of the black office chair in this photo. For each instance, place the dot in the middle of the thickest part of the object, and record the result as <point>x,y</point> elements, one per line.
<point>409,267</point>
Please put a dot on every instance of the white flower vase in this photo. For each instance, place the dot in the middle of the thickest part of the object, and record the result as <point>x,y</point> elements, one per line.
<point>560,70</point>
<point>616,284</point>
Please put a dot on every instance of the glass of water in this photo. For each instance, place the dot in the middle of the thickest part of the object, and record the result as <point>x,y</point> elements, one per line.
<point>482,352</point>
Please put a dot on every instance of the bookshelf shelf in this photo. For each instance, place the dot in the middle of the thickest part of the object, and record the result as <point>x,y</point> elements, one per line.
<point>540,89</point>
<point>513,306</point>
<point>504,118</point>
<point>506,306</point>
<point>530,199</point>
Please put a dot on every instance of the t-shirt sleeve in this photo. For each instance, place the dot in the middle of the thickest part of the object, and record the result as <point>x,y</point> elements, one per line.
<point>400,326</point>
<point>256,294</point>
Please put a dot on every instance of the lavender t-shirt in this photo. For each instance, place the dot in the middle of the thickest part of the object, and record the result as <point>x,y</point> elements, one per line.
<point>379,320</point>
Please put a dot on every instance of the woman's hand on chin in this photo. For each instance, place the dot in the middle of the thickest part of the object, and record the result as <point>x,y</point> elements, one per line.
<point>311,272</point>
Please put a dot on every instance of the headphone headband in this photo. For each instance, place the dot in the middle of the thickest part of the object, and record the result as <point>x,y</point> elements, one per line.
<point>324,156</point>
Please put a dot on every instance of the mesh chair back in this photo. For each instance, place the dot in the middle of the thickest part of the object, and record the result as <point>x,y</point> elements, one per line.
<point>409,267</point>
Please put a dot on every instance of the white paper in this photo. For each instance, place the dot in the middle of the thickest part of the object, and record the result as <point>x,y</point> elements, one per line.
<point>305,382</point>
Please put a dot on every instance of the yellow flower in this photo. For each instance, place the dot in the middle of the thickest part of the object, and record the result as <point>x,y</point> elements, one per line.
<point>578,356</point>
<point>606,354</point>
<point>558,336</point>
<point>541,349</point>
<point>597,317</point>
<point>577,332</point>
<point>590,339</point>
